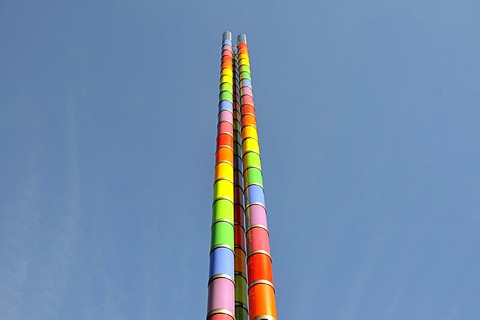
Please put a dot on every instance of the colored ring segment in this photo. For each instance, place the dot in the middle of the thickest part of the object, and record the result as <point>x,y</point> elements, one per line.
<point>251,160</point>
<point>222,263</point>
<point>223,210</point>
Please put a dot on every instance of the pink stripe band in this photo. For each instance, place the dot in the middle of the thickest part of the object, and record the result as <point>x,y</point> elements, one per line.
<point>225,127</point>
<point>247,90</point>
<point>257,240</point>
<point>221,295</point>
<point>256,215</point>
<point>225,116</point>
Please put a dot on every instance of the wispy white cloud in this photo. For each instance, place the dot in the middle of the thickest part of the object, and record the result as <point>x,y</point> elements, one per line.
<point>19,226</point>
<point>359,287</point>
<point>115,299</point>
<point>59,267</point>
<point>38,233</point>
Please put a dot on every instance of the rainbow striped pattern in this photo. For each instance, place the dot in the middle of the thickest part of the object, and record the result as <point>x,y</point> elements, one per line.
<point>240,282</point>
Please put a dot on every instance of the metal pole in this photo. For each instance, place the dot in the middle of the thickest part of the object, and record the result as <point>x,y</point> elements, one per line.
<point>221,286</point>
<point>241,300</point>
<point>261,292</point>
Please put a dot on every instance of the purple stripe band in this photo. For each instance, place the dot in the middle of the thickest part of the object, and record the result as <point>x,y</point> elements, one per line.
<point>221,295</point>
<point>247,90</point>
<point>256,215</point>
<point>225,116</point>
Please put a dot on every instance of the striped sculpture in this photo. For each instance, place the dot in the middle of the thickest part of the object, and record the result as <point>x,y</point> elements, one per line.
<point>240,259</point>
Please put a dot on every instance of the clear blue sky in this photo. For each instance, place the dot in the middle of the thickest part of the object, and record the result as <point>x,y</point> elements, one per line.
<point>368,116</point>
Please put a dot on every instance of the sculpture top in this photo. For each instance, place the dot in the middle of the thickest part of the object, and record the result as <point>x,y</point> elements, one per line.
<point>227,35</point>
<point>242,38</point>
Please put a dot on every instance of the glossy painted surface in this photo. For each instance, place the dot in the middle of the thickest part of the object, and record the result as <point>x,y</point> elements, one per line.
<point>225,127</point>
<point>224,170</point>
<point>238,176</point>
<point>238,162</point>
<point>246,90</point>
<point>223,210</point>
<point>253,176</point>
<point>227,52</point>
<point>238,194</point>
<point>259,268</point>
<point>238,148</point>
<point>223,189</point>
<point>221,295</point>
<point>236,114</point>
<point>221,262</point>
<point>225,95</point>
<point>245,75</point>
<point>251,145</point>
<point>240,237</point>
<point>262,301</point>
<point>225,116</point>
<point>256,216</point>
<point>226,79</point>
<point>225,105</point>
<point>226,87</point>
<point>244,62</point>
<point>225,64</point>
<point>240,259</point>
<point>241,289</point>
<point>254,195</point>
<point>227,58</point>
<point>246,83</point>
<point>244,67</point>
<point>251,160</point>
<point>247,100</point>
<point>222,235</point>
<point>237,136</point>
<point>237,125</point>
<point>224,154</point>
<point>249,120</point>
<point>243,55</point>
<point>257,240</point>
<point>248,109</point>
<point>241,313</point>
<point>225,139</point>
<point>239,215</point>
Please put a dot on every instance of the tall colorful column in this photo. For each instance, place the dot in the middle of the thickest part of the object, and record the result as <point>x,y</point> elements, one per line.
<point>240,283</point>
<point>221,285</point>
<point>261,292</point>
<point>241,304</point>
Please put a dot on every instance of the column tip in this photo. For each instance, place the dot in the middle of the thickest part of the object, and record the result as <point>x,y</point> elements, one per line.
<point>242,38</point>
<point>227,35</point>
